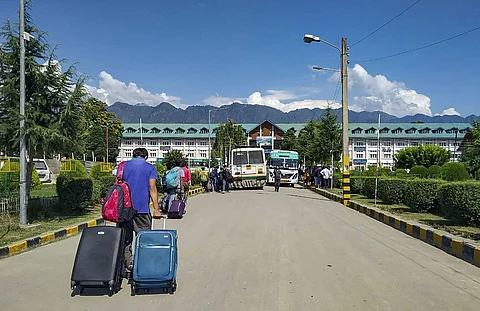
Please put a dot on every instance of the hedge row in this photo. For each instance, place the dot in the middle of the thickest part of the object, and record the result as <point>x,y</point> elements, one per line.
<point>454,200</point>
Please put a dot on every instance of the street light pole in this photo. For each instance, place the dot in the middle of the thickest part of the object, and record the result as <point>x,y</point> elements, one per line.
<point>346,157</point>
<point>209,144</point>
<point>23,149</point>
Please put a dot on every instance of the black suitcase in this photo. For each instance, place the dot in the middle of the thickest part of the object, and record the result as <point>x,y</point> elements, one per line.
<point>99,259</point>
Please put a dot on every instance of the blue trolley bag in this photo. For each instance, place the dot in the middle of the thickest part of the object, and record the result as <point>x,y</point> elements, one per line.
<point>155,260</point>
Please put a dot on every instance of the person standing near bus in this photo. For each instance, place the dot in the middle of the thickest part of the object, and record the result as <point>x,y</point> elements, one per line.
<point>277,175</point>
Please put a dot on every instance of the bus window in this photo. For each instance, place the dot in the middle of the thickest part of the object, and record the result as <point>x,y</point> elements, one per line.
<point>255,157</point>
<point>290,163</point>
<point>240,158</point>
<point>276,162</point>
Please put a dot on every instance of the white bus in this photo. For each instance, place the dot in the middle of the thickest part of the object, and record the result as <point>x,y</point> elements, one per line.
<point>248,168</point>
<point>288,163</point>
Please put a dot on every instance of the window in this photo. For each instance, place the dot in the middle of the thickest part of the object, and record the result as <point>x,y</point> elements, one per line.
<point>410,131</point>
<point>372,143</point>
<point>428,142</point>
<point>131,130</point>
<point>360,143</point>
<point>359,155</point>
<point>240,157</point>
<point>203,154</point>
<point>370,131</point>
<point>165,142</point>
<point>387,155</point>
<point>442,144</point>
<point>179,131</point>
<point>167,130</point>
<point>152,155</point>
<point>128,143</point>
<point>397,131</point>
<point>414,143</point>
<point>128,154</point>
<point>155,130</point>
<point>384,130</point>
<point>401,143</point>
<point>139,143</point>
<point>203,143</point>
<point>387,143</point>
<point>255,157</point>
<point>191,154</point>
<point>153,142</point>
<point>178,143</point>
<point>357,131</point>
<point>373,154</point>
<point>204,131</point>
<point>191,143</point>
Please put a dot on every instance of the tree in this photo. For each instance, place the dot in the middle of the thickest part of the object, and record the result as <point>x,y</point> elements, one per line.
<point>290,141</point>
<point>425,155</point>
<point>330,139</point>
<point>471,150</point>
<point>97,119</point>
<point>53,97</point>
<point>173,158</point>
<point>227,137</point>
<point>306,142</point>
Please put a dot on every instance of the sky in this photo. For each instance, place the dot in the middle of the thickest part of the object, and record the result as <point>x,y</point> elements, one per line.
<point>213,52</point>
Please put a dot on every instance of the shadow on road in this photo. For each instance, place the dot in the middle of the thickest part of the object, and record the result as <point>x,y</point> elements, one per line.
<point>319,198</point>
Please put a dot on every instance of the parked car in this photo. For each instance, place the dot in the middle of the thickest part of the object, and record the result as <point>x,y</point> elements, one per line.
<point>42,169</point>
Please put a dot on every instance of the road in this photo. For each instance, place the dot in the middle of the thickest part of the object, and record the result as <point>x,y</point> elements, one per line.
<point>261,250</point>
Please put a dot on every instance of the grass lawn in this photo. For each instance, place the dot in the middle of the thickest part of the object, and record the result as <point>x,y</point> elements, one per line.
<point>435,221</point>
<point>44,191</point>
<point>10,231</point>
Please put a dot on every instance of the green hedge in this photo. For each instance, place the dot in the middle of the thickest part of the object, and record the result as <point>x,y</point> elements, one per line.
<point>96,172</point>
<point>434,172</point>
<point>401,173</point>
<point>369,187</point>
<point>454,171</point>
<point>74,194</point>
<point>100,187</point>
<point>357,185</point>
<point>422,195</point>
<point>419,171</point>
<point>196,181</point>
<point>391,190</point>
<point>74,170</point>
<point>461,201</point>
<point>338,180</point>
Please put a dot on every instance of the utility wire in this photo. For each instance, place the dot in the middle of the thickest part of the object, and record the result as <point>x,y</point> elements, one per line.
<point>391,20</point>
<point>419,48</point>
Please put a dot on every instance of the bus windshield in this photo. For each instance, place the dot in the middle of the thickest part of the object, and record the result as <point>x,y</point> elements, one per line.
<point>240,158</point>
<point>284,163</point>
<point>255,157</point>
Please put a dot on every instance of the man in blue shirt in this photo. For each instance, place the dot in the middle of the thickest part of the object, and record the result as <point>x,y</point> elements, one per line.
<point>141,176</point>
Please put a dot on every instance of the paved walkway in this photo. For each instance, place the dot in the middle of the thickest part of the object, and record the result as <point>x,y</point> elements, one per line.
<point>261,250</point>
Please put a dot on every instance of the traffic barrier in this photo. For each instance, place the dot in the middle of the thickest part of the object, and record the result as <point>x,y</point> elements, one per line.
<point>47,238</point>
<point>451,244</point>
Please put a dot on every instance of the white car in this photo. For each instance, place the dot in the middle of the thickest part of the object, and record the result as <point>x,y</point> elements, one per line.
<point>42,169</point>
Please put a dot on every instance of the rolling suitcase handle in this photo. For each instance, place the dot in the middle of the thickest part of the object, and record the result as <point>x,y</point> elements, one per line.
<point>164,222</point>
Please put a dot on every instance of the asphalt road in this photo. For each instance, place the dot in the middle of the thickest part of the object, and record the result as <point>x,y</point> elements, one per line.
<point>261,250</point>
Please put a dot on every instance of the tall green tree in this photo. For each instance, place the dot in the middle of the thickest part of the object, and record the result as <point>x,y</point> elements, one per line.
<point>290,141</point>
<point>227,137</point>
<point>471,151</point>
<point>307,138</point>
<point>53,100</point>
<point>425,155</point>
<point>97,122</point>
<point>330,139</point>
<point>173,158</point>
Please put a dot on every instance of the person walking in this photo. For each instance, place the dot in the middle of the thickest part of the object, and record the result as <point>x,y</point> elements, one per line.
<point>141,176</point>
<point>187,180</point>
<point>277,175</point>
<point>204,179</point>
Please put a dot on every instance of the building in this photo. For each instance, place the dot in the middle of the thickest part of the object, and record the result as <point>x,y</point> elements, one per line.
<point>364,147</point>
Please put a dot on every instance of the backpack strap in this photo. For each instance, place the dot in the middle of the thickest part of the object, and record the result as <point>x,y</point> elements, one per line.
<point>121,166</point>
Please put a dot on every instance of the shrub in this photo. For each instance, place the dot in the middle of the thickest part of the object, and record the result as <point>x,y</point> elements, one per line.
<point>10,181</point>
<point>100,187</point>
<point>477,177</point>
<point>338,180</point>
<point>422,195</point>
<point>42,208</point>
<point>401,173</point>
<point>196,181</point>
<point>434,171</point>
<point>461,201</point>
<point>96,172</point>
<point>369,187</point>
<point>419,171</point>
<point>391,190</point>
<point>161,169</point>
<point>454,171</point>
<point>73,168</point>
<point>74,194</point>
<point>356,184</point>
<point>36,183</point>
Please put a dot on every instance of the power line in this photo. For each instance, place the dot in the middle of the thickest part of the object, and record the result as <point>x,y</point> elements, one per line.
<point>391,20</point>
<point>419,48</point>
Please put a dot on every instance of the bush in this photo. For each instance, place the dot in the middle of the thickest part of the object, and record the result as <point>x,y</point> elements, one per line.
<point>96,172</point>
<point>36,183</point>
<point>454,171</point>
<point>434,172</point>
<point>196,181</point>
<point>74,194</point>
<point>10,181</point>
<point>161,169</point>
<point>422,195</point>
<point>73,168</point>
<point>401,173</point>
<point>461,201</point>
<point>391,190</point>
<point>100,187</point>
<point>369,187</point>
<point>357,185</point>
<point>419,171</point>
<point>42,208</point>
<point>338,181</point>
<point>477,177</point>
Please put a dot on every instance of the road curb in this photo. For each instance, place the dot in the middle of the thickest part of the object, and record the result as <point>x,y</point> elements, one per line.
<point>454,245</point>
<point>47,238</point>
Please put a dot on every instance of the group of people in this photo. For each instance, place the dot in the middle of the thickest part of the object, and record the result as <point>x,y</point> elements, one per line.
<point>318,176</point>
<point>142,177</point>
<point>217,180</point>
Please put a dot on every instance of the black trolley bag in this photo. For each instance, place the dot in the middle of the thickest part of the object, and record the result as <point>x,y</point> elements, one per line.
<point>99,259</point>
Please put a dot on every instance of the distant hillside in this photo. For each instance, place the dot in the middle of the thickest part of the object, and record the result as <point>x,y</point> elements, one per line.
<point>241,113</point>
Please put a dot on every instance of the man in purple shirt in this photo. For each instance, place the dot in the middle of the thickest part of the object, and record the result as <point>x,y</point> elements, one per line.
<point>141,176</point>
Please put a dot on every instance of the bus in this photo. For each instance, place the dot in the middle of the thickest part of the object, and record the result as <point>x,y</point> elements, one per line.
<point>248,168</point>
<point>288,163</point>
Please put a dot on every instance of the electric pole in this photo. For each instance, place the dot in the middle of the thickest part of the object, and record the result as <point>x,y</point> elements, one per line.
<point>23,151</point>
<point>346,157</point>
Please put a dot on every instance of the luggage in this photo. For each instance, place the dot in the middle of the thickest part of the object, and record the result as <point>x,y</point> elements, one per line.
<point>99,259</point>
<point>155,260</point>
<point>176,209</point>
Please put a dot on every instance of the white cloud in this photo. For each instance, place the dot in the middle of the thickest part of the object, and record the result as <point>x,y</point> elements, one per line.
<point>218,101</point>
<point>281,94</point>
<point>111,90</point>
<point>382,94</point>
<point>256,98</point>
<point>449,112</point>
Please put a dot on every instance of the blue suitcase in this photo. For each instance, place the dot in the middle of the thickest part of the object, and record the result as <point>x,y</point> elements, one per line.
<point>155,261</point>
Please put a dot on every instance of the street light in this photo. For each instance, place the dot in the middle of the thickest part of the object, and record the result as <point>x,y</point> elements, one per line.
<point>209,145</point>
<point>323,68</point>
<point>309,38</point>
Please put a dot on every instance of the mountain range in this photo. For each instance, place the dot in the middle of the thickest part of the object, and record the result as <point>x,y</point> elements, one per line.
<point>242,113</point>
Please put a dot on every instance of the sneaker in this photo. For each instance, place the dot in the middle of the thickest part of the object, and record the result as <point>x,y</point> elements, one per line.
<point>129,268</point>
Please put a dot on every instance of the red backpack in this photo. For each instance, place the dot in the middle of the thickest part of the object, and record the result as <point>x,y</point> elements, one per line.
<point>117,205</point>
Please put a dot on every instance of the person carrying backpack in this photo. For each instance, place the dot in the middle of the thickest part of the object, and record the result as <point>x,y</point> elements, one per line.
<point>204,179</point>
<point>187,180</point>
<point>141,177</point>
<point>174,182</point>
